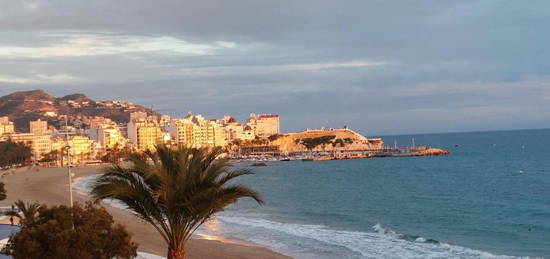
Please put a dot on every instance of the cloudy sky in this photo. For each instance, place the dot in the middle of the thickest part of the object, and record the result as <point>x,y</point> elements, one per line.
<point>381,67</point>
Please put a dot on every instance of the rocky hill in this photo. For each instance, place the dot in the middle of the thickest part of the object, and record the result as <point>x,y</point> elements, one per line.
<point>326,140</point>
<point>22,107</point>
<point>317,140</point>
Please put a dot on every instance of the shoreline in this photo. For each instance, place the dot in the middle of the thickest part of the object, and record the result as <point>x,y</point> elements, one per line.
<point>50,186</point>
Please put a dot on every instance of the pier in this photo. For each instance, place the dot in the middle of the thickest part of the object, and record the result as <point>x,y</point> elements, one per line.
<point>273,153</point>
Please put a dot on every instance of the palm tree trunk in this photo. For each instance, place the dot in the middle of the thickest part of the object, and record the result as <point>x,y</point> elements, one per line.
<point>176,251</point>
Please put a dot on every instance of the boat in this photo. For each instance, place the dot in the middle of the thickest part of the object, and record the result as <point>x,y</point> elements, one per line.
<point>324,158</point>
<point>259,164</point>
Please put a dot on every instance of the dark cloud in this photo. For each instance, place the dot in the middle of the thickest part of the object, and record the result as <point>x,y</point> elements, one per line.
<point>378,66</point>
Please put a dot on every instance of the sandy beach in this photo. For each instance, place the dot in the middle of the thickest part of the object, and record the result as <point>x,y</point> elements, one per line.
<point>50,186</point>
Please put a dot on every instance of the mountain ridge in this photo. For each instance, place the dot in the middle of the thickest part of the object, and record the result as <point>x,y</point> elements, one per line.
<point>24,106</point>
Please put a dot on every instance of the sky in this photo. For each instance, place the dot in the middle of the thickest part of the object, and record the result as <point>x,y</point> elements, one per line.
<point>380,67</point>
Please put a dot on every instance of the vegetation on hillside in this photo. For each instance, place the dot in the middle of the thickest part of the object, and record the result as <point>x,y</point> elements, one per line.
<point>342,142</point>
<point>311,143</point>
<point>63,232</point>
<point>176,193</point>
<point>275,137</point>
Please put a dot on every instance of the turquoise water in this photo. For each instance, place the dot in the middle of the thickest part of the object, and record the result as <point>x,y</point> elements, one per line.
<point>490,197</point>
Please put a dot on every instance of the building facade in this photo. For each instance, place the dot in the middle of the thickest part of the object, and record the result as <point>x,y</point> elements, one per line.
<point>264,125</point>
<point>40,145</point>
<point>195,131</point>
<point>81,147</point>
<point>108,136</point>
<point>144,134</point>
<point>6,126</point>
<point>138,116</point>
<point>39,127</point>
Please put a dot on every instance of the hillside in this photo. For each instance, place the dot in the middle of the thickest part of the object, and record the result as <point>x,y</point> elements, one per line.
<point>325,140</point>
<point>22,107</point>
<point>318,140</point>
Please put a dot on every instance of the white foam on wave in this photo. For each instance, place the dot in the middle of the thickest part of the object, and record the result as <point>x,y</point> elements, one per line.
<point>83,185</point>
<point>383,243</point>
<point>318,241</point>
<point>142,255</point>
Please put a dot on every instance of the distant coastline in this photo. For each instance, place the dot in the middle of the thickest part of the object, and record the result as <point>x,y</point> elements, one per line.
<point>75,129</point>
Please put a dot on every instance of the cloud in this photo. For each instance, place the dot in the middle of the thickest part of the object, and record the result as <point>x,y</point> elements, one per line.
<point>15,80</point>
<point>408,66</point>
<point>265,69</point>
<point>39,79</point>
<point>327,65</point>
<point>89,44</point>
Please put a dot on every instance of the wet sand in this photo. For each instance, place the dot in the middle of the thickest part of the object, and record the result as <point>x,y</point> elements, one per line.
<point>50,186</point>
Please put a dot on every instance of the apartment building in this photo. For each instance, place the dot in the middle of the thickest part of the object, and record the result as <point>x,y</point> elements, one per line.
<point>264,125</point>
<point>6,126</point>
<point>195,131</point>
<point>144,134</point>
<point>39,127</point>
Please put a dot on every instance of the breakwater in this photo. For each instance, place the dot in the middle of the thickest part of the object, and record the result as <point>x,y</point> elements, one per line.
<point>271,153</point>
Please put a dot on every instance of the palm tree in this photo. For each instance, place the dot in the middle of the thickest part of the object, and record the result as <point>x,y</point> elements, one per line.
<point>176,193</point>
<point>3,194</point>
<point>27,212</point>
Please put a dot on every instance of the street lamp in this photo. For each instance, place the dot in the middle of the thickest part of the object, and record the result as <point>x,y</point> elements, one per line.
<point>68,147</point>
<point>69,165</point>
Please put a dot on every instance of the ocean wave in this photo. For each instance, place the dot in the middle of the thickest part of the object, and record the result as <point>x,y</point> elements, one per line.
<point>382,243</point>
<point>305,241</point>
<point>83,186</point>
<point>413,238</point>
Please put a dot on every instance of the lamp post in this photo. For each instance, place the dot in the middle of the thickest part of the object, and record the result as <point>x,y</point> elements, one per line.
<point>69,165</point>
<point>68,147</point>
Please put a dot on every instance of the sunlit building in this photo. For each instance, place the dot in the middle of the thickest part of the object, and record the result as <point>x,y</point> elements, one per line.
<point>39,127</point>
<point>4,120</point>
<point>80,146</point>
<point>97,121</point>
<point>195,131</point>
<point>40,145</point>
<point>6,126</point>
<point>144,134</point>
<point>138,116</point>
<point>248,133</point>
<point>108,136</point>
<point>233,130</point>
<point>264,125</point>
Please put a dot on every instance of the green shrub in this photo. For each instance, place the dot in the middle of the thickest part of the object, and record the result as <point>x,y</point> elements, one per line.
<point>62,232</point>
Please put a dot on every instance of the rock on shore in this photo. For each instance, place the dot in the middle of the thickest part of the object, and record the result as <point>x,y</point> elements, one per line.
<point>434,152</point>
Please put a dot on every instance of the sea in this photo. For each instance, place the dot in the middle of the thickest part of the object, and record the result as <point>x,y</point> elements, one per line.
<point>490,198</point>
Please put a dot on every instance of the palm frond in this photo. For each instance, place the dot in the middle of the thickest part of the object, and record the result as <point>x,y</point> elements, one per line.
<point>174,190</point>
